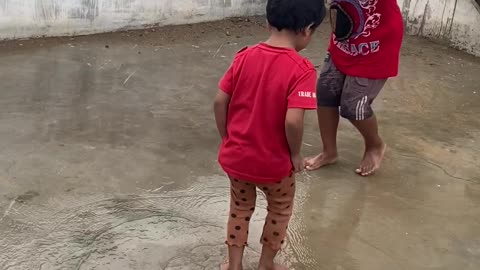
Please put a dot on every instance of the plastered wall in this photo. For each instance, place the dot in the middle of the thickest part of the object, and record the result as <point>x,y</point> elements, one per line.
<point>36,18</point>
<point>456,22</point>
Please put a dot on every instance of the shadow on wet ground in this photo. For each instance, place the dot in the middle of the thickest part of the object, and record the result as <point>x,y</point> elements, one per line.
<point>108,159</point>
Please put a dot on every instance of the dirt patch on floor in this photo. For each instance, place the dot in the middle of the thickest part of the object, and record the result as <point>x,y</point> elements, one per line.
<point>154,35</point>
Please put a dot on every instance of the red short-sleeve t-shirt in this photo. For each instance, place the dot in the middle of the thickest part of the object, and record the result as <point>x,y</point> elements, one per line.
<point>373,51</point>
<point>263,82</point>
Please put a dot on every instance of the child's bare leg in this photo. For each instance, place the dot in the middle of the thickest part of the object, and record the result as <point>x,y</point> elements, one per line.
<point>235,257</point>
<point>374,146</point>
<point>266,260</point>
<point>356,106</point>
<point>328,119</point>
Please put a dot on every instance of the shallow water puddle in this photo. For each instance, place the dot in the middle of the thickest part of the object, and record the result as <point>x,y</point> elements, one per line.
<point>166,230</point>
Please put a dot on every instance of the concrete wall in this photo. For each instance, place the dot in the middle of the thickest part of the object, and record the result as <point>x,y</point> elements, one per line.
<point>35,18</point>
<point>454,21</point>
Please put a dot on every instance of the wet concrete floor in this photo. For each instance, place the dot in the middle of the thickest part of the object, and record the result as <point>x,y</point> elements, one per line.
<point>108,159</point>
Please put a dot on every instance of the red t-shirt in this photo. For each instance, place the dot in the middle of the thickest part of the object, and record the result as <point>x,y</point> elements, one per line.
<point>373,51</point>
<point>263,82</point>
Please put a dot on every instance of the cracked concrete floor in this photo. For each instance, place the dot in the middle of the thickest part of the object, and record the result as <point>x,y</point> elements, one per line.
<point>108,159</point>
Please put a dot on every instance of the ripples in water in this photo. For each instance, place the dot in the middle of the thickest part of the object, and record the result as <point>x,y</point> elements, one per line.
<point>166,230</point>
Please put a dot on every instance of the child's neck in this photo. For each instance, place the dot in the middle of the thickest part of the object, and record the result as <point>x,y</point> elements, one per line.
<point>282,39</point>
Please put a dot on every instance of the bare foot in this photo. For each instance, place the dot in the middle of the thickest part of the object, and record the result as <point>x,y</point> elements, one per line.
<point>372,160</point>
<point>275,267</point>
<point>317,162</point>
<point>226,266</point>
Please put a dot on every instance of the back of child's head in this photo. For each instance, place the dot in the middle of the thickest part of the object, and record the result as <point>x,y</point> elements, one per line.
<point>295,15</point>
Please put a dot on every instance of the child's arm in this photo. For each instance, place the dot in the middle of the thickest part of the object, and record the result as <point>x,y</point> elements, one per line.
<point>220,108</point>
<point>294,132</point>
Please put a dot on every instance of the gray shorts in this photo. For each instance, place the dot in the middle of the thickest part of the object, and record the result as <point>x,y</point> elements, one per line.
<point>354,95</point>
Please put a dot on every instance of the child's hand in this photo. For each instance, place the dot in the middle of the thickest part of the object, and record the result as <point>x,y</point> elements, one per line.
<point>297,162</point>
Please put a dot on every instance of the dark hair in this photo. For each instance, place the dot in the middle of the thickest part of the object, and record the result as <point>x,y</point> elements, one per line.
<point>295,15</point>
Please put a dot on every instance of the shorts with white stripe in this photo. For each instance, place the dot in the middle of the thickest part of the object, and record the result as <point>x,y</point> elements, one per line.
<point>354,95</point>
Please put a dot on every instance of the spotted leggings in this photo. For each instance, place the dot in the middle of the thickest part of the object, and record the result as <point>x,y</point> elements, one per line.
<point>243,195</point>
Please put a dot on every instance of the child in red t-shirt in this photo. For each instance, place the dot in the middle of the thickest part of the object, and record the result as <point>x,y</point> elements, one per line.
<point>364,52</point>
<point>259,112</point>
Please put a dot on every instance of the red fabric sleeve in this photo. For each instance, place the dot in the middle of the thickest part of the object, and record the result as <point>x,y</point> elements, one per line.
<point>226,83</point>
<point>304,95</point>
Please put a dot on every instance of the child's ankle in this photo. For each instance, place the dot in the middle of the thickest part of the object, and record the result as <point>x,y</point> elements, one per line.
<point>330,153</point>
<point>263,267</point>
<point>266,265</point>
<point>235,267</point>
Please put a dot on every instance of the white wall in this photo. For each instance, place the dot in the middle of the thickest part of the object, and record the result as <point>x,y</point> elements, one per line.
<point>454,21</point>
<point>34,18</point>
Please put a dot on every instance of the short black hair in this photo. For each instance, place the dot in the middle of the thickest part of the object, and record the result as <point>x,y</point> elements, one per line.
<point>295,15</point>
